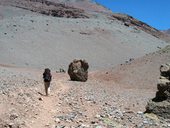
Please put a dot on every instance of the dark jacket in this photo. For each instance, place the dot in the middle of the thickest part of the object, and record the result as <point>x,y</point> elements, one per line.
<point>47,75</point>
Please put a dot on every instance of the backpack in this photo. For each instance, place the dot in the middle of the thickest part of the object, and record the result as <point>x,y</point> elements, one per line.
<point>47,76</point>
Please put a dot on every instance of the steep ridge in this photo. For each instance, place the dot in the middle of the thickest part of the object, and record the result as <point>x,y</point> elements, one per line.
<point>82,9</point>
<point>130,21</point>
<point>116,97</point>
<point>87,5</point>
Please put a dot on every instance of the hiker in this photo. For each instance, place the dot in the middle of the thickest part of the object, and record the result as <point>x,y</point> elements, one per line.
<point>47,79</point>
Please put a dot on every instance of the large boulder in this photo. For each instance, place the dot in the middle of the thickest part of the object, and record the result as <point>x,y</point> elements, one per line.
<point>165,70</point>
<point>160,105</point>
<point>78,70</point>
<point>161,109</point>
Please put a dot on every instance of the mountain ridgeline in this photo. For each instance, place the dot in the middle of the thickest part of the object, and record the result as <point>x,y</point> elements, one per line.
<point>82,9</point>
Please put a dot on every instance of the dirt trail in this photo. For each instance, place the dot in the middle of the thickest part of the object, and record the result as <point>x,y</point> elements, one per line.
<point>49,108</point>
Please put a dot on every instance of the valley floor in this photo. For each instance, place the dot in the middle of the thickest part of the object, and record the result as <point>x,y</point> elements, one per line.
<point>124,68</point>
<point>110,98</point>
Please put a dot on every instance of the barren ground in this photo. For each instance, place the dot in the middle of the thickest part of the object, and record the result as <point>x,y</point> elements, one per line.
<point>124,68</point>
<point>33,40</point>
<point>115,97</point>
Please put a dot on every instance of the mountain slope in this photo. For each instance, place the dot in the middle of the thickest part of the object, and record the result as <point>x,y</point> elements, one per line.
<point>31,39</point>
<point>130,21</point>
<point>35,35</point>
<point>167,31</point>
<point>81,9</point>
<point>34,40</point>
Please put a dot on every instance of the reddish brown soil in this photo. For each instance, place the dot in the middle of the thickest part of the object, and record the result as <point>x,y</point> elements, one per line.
<point>124,89</point>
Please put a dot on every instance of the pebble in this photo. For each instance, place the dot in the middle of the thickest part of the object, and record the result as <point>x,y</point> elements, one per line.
<point>140,113</point>
<point>84,126</point>
<point>40,99</point>
<point>13,116</point>
<point>99,126</point>
<point>62,126</point>
<point>145,122</point>
<point>57,120</point>
<point>97,116</point>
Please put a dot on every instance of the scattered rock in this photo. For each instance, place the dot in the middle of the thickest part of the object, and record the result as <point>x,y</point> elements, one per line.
<point>140,113</point>
<point>85,33</point>
<point>61,70</point>
<point>165,70</point>
<point>13,116</point>
<point>62,126</point>
<point>161,109</point>
<point>57,120</point>
<point>127,24</point>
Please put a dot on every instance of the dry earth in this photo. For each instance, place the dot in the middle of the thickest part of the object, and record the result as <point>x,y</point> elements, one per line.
<point>113,98</point>
<point>124,67</point>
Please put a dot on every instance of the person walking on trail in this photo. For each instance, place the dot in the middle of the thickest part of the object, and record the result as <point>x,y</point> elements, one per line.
<point>47,79</point>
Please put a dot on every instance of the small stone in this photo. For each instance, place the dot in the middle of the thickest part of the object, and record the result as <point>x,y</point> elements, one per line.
<point>11,125</point>
<point>62,126</point>
<point>140,113</point>
<point>40,99</point>
<point>85,126</point>
<point>97,116</point>
<point>93,122</point>
<point>13,116</point>
<point>99,126</point>
<point>57,120</point>
<point>145,122</point>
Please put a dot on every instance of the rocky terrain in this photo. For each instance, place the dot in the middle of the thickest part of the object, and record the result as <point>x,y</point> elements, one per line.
<point>160,104</point>
<point>26,36</point>
<point>110,98</point>
<point>130,21</point>
<point>167,31</point>
<point>123,55</point>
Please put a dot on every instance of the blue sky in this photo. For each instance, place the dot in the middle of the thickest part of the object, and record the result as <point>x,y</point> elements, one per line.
<point>153,12</point>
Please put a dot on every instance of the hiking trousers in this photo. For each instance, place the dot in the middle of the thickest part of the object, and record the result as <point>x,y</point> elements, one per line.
<point>47,88</point>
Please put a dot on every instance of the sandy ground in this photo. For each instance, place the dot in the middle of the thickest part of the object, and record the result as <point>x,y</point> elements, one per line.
<point>29,40</point>
<point>124,67</point>
<point>110,98</point>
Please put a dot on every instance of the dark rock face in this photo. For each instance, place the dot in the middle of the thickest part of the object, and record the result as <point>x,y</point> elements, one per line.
<point>78,70</point>
<point>160,105</point>
<point>130,21</point>
<point>161,109</point>
<point>48,7</point>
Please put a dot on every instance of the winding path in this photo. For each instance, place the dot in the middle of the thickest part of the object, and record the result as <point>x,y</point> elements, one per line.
<point>49,107</point>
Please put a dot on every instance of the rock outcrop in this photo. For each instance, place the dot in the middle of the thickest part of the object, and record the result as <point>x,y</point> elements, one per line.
<point>130,21</point>
<point>78,70</point>
<point>160,105</point>
<point>47,7</point>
